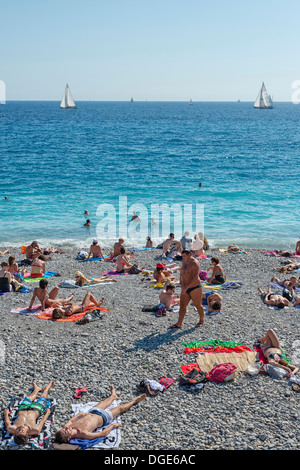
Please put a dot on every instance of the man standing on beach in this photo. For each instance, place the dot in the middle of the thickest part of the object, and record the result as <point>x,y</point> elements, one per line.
<point>190,288</point>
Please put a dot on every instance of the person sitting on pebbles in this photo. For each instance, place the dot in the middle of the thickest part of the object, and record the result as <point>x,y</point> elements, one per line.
<point>47,300</point>
<point>85,425</point>
<point>31,409</point>
<point>95,250</point>
<point>167,297</point>
<point>217,276</point>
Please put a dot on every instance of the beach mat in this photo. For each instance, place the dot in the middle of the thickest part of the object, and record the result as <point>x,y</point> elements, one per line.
<point>34,311</point>
<point>73,318</point>
<point>70,284</point>
<point>111,441</point>
<point>241,360</point>
<point>47,274</point>
<point>40,442</point>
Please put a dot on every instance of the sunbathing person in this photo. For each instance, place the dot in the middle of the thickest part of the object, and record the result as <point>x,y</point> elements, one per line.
<point>7,279</point>
<point>285,253</point>
<point>95,250</point>
<point>117,247</point>
<point>273,352</point>
<point>190,288</point>
<point>84,425</point>
<point>149,242</point>
<point>275,300</point>
<point>47,300</point>
<point>296,300</point>
<point>33,251</point>
<point>66,310</point>
<point>217,276</point>
<point>13,265</point>
<point>122,262</point>
<point>289,284</point>
<point>5,252</point>
<point>213,301</point>
<point>288,268</point>
<point>81,280</point>
<point>197,246</point>
<point>233,248</point>
<point>167,297</point>
<point>30,410</point>
<point>161,274</point>
<point>167,244</point>
<point>38,266</point>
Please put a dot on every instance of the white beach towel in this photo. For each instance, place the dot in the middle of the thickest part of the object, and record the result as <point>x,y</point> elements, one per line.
<point>114,437</point>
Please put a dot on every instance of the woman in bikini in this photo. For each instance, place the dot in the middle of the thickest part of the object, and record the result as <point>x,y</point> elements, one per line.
<point>122,261</point>
<point>81,280</point>
<point>38,266</point>
<point>217,276</point>
<point>65,311</point>
<point>273,352</point>
<point>95,250</point>
<point>288,268</point>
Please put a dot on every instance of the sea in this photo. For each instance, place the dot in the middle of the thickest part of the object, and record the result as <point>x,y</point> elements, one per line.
<point>223,168</point>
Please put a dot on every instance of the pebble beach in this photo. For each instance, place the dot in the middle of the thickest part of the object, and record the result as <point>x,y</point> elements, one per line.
<point>128,345</point>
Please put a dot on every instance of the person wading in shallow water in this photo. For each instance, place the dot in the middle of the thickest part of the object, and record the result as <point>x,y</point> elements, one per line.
<point>191,288</point>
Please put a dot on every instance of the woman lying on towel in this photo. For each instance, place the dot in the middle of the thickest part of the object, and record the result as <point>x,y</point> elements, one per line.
<point>288,268</point>
<point>273,352</point>
<point>67,310</point>
<point>217,276</point>
<point>81,280</point>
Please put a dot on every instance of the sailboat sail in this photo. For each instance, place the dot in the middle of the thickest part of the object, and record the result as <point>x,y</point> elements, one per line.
<point>67,101</point>
<point>263,100</point>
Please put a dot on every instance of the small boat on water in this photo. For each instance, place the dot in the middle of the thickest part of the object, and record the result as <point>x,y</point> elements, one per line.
<point>191,102</point>
<point>67,101</point>
<point>263,100</point>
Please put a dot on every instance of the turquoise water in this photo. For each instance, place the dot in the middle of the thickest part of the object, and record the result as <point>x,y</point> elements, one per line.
<point>57,163</point>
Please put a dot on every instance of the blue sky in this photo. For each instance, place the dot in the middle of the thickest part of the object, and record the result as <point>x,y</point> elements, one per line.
<point>151,50</point>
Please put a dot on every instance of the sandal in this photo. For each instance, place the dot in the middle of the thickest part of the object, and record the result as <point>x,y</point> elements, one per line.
<point>175,326</point>
<point>79,391</point>
<point>200,323</point>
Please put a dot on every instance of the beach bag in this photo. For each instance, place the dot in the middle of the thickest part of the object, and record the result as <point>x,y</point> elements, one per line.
<point>194,376</point>
<point>287,294</point>
<point>222,372</point>
<point>82,255</point>
<point>203,275</point>
<point>135,270</point>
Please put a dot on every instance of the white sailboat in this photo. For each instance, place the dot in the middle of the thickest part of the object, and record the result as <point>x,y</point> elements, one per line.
<point>263,100</point>
<point>67,101</point>
<point>191,102</point>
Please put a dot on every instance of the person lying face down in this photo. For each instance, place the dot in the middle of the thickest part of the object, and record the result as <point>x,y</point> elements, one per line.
<point>84,425</point>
